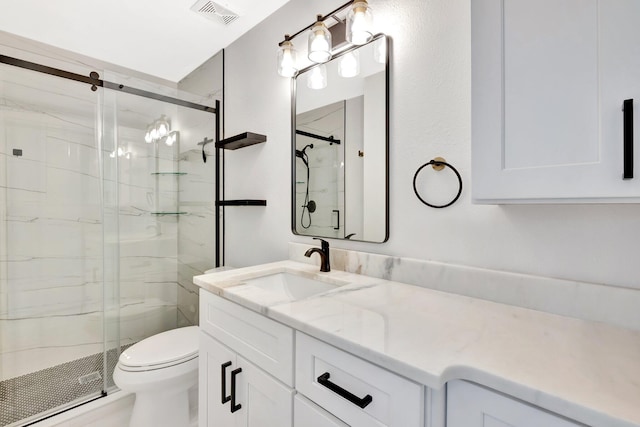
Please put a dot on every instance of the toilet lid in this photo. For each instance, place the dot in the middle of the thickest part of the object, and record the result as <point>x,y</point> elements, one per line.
<point>164,349</point>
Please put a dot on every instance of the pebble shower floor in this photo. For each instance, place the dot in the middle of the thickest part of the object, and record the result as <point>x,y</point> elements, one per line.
<point>31,394</point>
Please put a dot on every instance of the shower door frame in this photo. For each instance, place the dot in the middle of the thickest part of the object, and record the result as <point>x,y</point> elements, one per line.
<point>95,82</point>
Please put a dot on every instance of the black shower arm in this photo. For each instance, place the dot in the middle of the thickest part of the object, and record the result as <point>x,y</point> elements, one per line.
<point>329,139</point>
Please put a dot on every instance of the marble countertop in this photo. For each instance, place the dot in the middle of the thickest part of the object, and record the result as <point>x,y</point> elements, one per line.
<point>586,371</point>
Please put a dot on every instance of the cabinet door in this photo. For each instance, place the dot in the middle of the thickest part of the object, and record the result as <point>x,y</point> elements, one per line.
<point>469,405</point>
<point>265,402</point>
<point>308,414</point>
<point>213,359</point>
<point>549,78</point>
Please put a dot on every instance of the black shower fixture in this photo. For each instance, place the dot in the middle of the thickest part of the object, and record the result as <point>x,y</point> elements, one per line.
<point>309,205</point>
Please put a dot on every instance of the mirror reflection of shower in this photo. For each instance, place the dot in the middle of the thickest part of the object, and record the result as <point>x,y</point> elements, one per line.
<point>319,171</point>
<point>308,206</point>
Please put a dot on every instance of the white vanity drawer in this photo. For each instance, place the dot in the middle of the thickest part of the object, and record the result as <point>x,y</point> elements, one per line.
<point>260,340</point>
<point>308,414</point>
<point>394,401</point>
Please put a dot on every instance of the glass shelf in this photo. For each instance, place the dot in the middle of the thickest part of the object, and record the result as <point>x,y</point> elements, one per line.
<point>168,213</point>
<point>168,173</point>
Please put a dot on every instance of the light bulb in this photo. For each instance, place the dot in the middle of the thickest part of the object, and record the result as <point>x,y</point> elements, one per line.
<point>162,129</point>
<point>287,57</point>
<point>359,23</point>
<point>319,42</point>
<point>317,78</point>
<point>349,65</point>
<point>147,136</point>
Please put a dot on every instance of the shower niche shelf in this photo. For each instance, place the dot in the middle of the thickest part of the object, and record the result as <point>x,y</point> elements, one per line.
<point>242,202</point>
<point>242,140</point>
<point>168,213</point>
<point>169,173</point>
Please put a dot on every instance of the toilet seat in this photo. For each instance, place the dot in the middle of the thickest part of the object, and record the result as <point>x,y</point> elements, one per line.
<point>160,351</point>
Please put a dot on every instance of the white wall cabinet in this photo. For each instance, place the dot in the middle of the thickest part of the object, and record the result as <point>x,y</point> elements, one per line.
<point>469,405</point>
<point>236,393</point>
<point>549,78</point>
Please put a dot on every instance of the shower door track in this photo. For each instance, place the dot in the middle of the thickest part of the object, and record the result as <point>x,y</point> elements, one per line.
<point>95,82</point>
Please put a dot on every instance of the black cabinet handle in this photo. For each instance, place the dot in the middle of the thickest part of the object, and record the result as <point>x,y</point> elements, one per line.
<point>360,402</point>
<point>234,374</point>
<point>223,393</point>
<point>627,108</point>
<point>337,227</point>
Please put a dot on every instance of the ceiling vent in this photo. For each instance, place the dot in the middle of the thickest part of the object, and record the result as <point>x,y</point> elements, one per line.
<point>214,12</point>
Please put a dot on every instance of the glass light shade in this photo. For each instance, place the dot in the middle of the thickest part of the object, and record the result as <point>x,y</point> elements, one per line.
<point>317,78</point>
<point>349,65</point>
<point>163,127</point>
<point>359,23</point>
<point>287,57</point>
<point>170,139</point>
<point>154,133</point>
<point>147,136</point>
<point>319,43</point>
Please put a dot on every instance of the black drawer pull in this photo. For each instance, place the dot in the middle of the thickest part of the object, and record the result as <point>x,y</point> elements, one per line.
<point>234,407</point>
<point>362,403</point>
<point>627,108</point>
<point>223,393</point>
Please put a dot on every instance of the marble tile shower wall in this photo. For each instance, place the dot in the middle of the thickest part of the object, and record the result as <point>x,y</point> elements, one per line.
<point>147,238</point>
<point>51,240</point>
<point>51,244</point>
<point>196,240</point>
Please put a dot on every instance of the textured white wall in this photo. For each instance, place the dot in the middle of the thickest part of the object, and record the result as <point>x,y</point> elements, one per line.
<point>430,116</point>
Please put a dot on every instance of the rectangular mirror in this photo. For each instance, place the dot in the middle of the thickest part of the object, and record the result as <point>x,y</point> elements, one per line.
<point>340,146</point>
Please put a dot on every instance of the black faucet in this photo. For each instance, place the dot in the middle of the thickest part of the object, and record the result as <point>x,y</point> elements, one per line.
<point>324,255</point>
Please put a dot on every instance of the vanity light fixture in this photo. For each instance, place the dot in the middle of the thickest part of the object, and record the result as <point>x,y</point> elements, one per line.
<point>349,65</point>
<point>158,130</point>
<point>317,78</point>
<point>319,42</point>
<point>287,57</point>
<point>359,23</point>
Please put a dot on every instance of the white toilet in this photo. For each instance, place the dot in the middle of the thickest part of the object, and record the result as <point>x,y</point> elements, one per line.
<point>162,371</point>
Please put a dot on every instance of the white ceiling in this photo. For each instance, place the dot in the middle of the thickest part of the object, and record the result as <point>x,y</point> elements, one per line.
<point>163,38</point>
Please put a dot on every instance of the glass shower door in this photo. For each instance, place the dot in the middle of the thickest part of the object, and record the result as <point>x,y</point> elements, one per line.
<point>52,256</point>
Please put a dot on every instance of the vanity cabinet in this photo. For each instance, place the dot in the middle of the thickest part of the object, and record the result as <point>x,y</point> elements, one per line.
<point>308,414</point>
<point>238,393</point>
<point>356,391</point>
<point>247,364</point>
<point>470,405</point>
<point>246,367</point>
<point>549,80</point>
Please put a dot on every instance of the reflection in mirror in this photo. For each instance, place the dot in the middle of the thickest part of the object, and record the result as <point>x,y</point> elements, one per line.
<point>340,144</point>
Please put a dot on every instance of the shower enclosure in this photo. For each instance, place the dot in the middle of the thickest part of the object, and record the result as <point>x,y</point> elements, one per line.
<point>90,220</point>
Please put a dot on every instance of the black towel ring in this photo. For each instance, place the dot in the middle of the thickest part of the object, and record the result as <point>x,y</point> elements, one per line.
<point>438,163</point>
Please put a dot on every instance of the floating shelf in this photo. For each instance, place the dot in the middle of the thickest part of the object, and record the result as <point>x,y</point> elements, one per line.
<point>243,140</point>
<point>246,202</point>
<point>168,173</point>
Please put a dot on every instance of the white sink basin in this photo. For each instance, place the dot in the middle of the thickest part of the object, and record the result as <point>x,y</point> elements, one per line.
<point>289,287</point>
